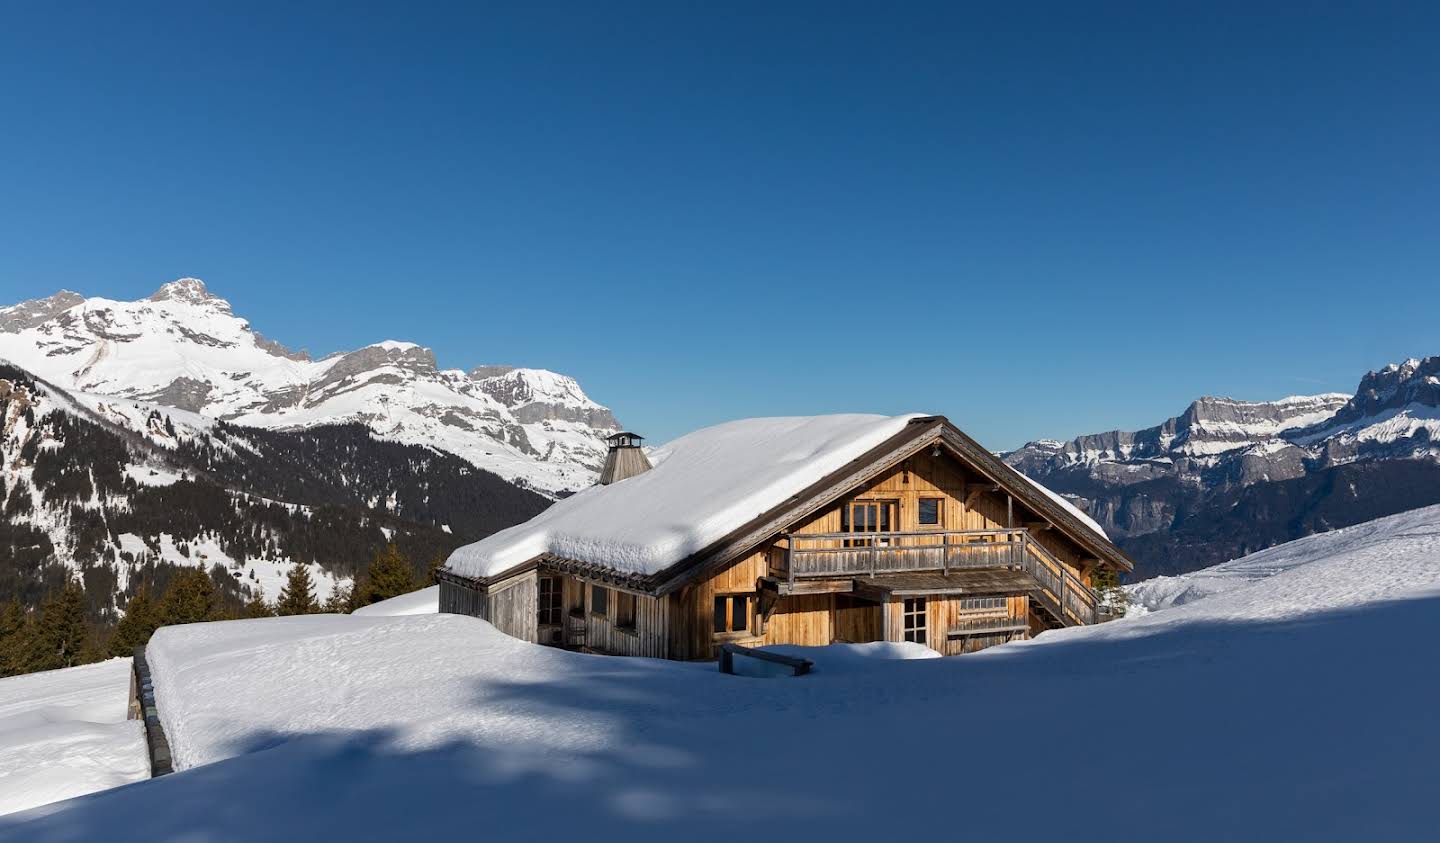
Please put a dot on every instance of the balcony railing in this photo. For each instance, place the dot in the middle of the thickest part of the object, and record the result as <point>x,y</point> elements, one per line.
<point>843,555</point>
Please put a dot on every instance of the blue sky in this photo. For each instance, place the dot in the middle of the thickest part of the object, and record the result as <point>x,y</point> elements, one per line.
<point>1041,221</point>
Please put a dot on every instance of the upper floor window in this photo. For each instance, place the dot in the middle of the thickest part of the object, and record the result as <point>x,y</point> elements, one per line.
<point>929,511</point>
<point>599,600</point>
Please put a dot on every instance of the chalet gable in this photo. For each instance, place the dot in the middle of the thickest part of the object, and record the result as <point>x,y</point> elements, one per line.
<point>911,436</point>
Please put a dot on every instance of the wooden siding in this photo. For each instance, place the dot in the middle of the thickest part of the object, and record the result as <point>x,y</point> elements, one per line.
<point>512,606</point>
<point>600,633</point>
<point>458,599</point>
<point>944,613</point>
<point>857,621</point>
<point>804,619</point>
<point>691,610</point>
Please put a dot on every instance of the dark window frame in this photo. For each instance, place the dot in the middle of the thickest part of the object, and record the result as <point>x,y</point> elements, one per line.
<point>726,608</point>
<point>939,521</point>
<point>626,610</point>
<point>915,620</point>
<point>549,602</point>
<point>599,600</point>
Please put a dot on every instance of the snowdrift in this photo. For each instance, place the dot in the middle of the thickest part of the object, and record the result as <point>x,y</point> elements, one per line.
<point>1295,704</point>
<point>63,733</point>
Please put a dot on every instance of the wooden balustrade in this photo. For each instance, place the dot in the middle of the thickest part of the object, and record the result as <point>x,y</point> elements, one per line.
<point>812,555</point>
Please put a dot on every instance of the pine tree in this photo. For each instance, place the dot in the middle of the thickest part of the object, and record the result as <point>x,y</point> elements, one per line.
<point>14,632</point>
<point>256,607</point>
<point>390,575</point>
<point>190,598</point>
<point>140,621</point>
<point>298,595</point>
<point>341,600</point>
<point>60,635</point>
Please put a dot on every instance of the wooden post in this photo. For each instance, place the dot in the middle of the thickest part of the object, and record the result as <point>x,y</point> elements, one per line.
<point>1009,512</point>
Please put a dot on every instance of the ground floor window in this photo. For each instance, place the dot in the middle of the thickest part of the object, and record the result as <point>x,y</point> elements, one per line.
<point>982,604</point>
<point>914,613</point>
<point>599,600</point>
<point>548,601</point>
<point>732,612</point>
<point>624,610</point>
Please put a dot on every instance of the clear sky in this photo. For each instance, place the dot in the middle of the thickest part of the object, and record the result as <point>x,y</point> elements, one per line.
<point>1040,220</point>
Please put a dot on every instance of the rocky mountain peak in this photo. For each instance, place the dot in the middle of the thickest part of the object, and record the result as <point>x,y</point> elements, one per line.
<point>28,314</point>
<point>190,291</point>
<point>1395,387</point>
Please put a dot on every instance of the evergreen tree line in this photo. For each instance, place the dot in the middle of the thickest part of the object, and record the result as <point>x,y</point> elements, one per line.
<point>58,634</point>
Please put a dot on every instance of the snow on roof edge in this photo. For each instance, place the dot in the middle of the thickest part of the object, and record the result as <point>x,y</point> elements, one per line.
<point>759,463</point>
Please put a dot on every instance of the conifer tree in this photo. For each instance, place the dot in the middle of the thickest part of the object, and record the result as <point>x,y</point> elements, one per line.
<point>190,598</point>
<point>142,617</point>
<point>298,595</point>
<point>14,632</point>
<point>60,636</point>
<point>256,607</point>
<point>389,575</point>
<point>341,600</point>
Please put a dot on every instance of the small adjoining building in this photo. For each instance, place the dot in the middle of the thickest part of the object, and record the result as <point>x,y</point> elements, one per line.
<point>806,531</point>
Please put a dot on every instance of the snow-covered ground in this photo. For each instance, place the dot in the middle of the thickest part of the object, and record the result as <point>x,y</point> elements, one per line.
<point>426,601</point>
<point>1294,703</point>
<point>64,733</point>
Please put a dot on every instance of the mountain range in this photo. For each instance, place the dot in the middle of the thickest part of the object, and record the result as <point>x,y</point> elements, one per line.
<point>1227,477</point>
<point>184,347</point>
<point>121,492</point>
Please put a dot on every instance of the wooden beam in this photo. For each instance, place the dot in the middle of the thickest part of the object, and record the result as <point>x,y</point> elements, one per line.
<point>829,586</point>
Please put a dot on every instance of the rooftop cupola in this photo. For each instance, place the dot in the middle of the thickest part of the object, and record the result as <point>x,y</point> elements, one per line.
<point>625,459</point>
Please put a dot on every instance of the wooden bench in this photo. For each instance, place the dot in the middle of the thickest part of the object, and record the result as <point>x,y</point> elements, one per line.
<point>728,652</point>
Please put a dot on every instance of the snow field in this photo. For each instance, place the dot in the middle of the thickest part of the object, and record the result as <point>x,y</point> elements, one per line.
<point>64,734</point>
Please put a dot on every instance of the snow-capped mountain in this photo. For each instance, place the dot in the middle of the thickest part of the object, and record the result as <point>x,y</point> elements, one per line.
<point>184,347</point>
<point>119,491</point>
<point>1227,477</point>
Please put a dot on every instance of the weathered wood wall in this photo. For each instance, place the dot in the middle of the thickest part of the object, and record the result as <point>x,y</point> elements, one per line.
<point>458,599</point>
<point>648,637</point>
<point>944,613</point>
<point>511,606</point>
<point>692,609</point>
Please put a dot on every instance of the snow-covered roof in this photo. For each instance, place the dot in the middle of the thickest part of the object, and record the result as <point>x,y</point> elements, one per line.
<point>703,486</point>
<point>1067,506</point>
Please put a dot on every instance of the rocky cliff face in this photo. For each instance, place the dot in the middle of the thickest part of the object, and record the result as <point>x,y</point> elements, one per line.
<point>1186,476</point>
<point>184,347</point>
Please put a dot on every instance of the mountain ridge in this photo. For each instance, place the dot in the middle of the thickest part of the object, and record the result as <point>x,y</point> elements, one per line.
<point>184,347</point>
<point>1170,494</point>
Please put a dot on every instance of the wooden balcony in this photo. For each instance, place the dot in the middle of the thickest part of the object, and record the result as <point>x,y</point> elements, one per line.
<point>1057,589</point>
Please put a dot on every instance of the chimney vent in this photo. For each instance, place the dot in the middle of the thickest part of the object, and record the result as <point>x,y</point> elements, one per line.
<point>625,460</point>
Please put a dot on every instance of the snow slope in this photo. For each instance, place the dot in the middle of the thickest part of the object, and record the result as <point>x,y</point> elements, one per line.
<point>63,733</point>
<point>425,601</point>
<point>1295,706</point>
<point>184,347</point>
<point>651,521</point>
<point>1351,565</point>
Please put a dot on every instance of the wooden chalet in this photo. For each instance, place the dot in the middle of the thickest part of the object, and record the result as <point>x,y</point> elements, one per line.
<point>924,537</point>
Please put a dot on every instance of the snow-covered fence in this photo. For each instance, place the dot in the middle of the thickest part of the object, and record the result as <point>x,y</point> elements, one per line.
<point>142,690</point>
